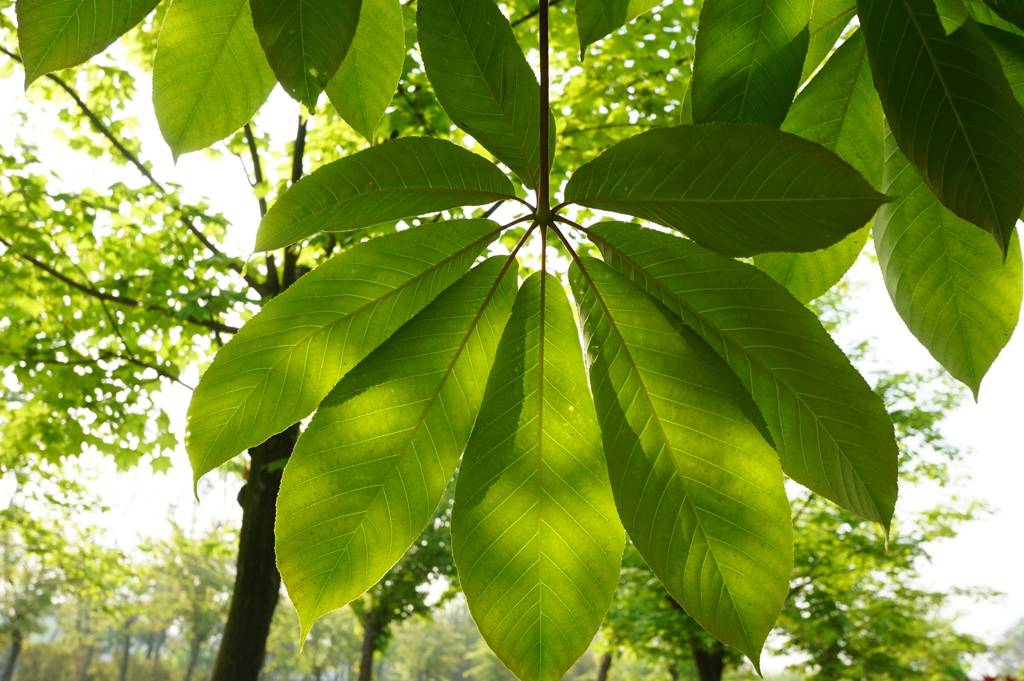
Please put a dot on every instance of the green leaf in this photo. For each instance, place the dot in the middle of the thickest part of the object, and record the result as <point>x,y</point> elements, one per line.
<point>535,534</point>
<point>209,74</point>
<point>829,18</point>
<point>482,80</point>
<point>699,490</point>
<point>362,88</point>
<point>1011,10</point>
<point>737,189</point>
<point>748,59</point>
<point>946,278</point>
<point>1009,48</point>
<point>831,431</point>
<point>371,468</point>
<point>951,110</point>
<point>56,34</point>
<point>285,360</point>
<point>400,178</point>
<point>305,41</point>
<point>839,109</point>
<point>596,19</point>
<point>808,275</point>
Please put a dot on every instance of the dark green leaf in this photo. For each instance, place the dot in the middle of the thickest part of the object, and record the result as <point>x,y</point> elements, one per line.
<point>831,431</point>
<point>400,178</point>
<point>738,189</point>
<point>305,41</point>
<point>56,34</point>
<point>364,85</point>
<point>748,59</point>
<point>534,530</point>
<point>699,490</point>
<point>1009,48</point>
<point>371,468</point>
<point>596,19</point>
<point>951,110</point>
<point>482,80</point>
<point>209,74</point>
<point>1011,10</point>
<point>285,360</point>
<point>946,278</point>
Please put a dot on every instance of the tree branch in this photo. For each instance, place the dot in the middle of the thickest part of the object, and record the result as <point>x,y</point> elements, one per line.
<point>101,295</point>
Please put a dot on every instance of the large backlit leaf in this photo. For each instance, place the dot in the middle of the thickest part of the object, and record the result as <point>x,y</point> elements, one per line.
<point>305,41</point>
<point>534,530</point>
<point>748,59</point>
<point>737,189</point>
<point>1011,10</point>
<point>371,468</point>
<point>808,275</point>
<point>947,279</point>
<point>56,34</point>
<point>951,110</point>
<point>1009,48</point>
<point>828,19</point>
<point>285,360</point>
<point>400,178</point>
<point>209,74</point>
<point>482,80</point>
<point>831,431</point>
<point>839,109</point>
<point>699,490</point>
<point>366,81</point>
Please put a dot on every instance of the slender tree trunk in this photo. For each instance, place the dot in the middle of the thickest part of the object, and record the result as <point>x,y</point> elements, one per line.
<point>257,582</point>
<point>126,651</point>
<point>83,671</point>
<point>12,655</point>
<point>371,631</point>
<point>194,647</point>
<point>710,664</point>
<point>604,667</point>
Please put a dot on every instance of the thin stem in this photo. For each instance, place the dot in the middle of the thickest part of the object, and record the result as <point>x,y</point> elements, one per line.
<point>571,223</point>
<point>544,190</point>
<point>516,222</point>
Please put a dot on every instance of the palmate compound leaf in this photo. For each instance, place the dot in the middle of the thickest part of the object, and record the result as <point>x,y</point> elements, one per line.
<point>368,473</point>
<point>748,59</point>
<point>699,490</point>
<point>483,81</point>
<point>839,110</point>
<point>535,534</point>
<point>831,431</point>
<point>951,110</point>
<point>366,81</point>
<point>737,189</point>
<point>946,278</point>
<point>56,34</point>
<point>285,360</point>
<point>596,19</point>
<point>305,41</point>
<point>399,178</point>
<point>209,73</point>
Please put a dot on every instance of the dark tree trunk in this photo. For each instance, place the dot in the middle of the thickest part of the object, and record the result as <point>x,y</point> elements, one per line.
<point>604,667</point>
<point>12,655</point>
<point>371,632</point>
<point>193,657</point>
<point>83,671</point>
<point>257,582</point>
<point>673,672</point>
<point>126,651</point>
<point>710,663</point>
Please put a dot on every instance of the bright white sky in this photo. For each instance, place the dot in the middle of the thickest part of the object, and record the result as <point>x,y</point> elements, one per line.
<point>988,553</point>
